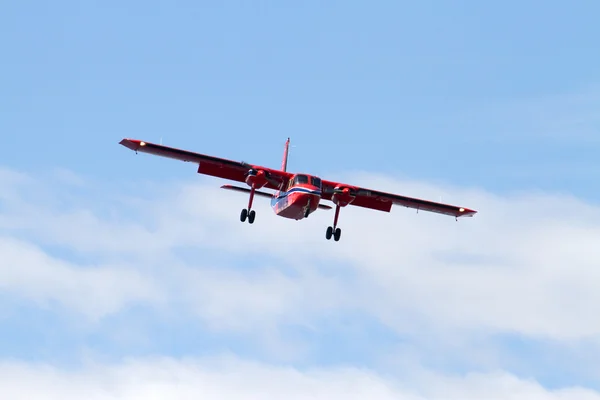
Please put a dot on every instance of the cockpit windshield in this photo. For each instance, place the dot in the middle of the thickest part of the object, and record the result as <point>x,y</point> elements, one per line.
<point>305,179</point>
<point>299,179</point>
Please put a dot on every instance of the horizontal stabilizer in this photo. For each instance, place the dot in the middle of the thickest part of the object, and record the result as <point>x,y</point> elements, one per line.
<point>246,190</point>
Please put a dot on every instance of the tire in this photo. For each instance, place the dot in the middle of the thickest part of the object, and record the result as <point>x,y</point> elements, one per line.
<point>329,232</point>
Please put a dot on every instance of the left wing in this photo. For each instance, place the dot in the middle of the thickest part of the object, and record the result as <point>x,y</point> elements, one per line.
<point>209,165</point>
<point>382,201</point>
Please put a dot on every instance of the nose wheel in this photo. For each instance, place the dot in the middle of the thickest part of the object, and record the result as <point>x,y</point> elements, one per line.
<point>250,215</point>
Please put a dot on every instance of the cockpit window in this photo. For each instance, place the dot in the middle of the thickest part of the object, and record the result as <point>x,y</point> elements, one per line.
<point>306,179</point>
<point>299,179</point>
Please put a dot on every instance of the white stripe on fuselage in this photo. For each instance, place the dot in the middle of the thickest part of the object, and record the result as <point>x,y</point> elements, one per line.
<point>280,196</point>
<point>299,190</point>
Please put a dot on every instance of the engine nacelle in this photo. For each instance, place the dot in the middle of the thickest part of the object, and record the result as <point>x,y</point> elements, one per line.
<point>258,178</point>
<point>343,196</point>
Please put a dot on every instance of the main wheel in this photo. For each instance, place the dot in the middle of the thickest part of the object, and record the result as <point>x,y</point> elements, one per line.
<point>337,234</point>
<point>329,232</point>
<point>251,216</point>
<point>243,215</point>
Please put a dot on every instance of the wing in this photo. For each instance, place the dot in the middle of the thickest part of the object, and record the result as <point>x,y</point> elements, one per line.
<point>209,165</point>
<point>382,201</point>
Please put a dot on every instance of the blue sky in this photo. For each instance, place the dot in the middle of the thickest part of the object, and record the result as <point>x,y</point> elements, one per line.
<point>112,256</point>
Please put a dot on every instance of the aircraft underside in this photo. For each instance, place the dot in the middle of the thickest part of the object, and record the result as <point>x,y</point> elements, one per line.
<point>295,205</point>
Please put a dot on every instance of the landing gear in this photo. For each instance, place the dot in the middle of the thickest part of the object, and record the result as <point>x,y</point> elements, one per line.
<point>333,230</point>
<point>337,233</point>
<point>249,213</point>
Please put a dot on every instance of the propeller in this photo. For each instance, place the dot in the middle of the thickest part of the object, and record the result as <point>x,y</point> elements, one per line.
<point>268,177</point>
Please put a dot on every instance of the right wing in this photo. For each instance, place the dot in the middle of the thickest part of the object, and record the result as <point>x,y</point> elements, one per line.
<point>208,165</point>
<point>382,201</point>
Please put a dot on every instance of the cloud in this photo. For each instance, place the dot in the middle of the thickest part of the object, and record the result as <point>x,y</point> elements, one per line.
<point>230,299</point>
<point>524,265</point>
<point>94,291</point>
<point>230,378</point>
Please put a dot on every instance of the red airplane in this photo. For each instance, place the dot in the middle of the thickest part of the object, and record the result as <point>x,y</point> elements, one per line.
<point>297,195</point>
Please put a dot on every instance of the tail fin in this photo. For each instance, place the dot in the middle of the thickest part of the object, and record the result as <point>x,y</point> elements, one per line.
<point>285,155</point>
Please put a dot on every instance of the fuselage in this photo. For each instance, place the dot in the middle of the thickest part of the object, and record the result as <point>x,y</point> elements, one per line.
<point>299,199</point>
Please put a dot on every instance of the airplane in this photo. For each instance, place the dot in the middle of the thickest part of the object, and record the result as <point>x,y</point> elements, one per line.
<point>297,195</point>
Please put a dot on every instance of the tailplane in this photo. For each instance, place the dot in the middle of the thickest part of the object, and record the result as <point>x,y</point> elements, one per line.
<point>285,155</point>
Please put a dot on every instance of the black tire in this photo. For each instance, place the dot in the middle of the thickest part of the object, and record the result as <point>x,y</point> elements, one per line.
<point>329,232</point>
<point>251,216</point>
<point>337,234</point>
<point>243,215</point>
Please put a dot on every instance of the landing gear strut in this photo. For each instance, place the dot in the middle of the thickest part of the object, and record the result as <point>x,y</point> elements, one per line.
<point>249,212</point>
<point>333,230</point>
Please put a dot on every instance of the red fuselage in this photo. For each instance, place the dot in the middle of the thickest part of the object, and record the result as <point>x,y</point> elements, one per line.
<point>299,199</point>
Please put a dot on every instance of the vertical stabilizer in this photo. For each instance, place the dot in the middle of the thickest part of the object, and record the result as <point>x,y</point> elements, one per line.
<point>285,155</point>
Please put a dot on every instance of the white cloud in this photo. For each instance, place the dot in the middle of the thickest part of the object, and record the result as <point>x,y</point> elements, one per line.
<point>525,263</point>
<point>229,378</point>
<point>237,300</point>
<point>94,291</point>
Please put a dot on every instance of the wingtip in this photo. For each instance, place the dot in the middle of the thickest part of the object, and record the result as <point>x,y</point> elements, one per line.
<point>465,212</point>
<point>132,144</point>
